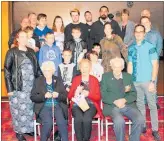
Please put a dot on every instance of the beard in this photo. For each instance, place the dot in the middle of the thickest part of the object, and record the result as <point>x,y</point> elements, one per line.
<point>88,20</point>
<point>103,17</point>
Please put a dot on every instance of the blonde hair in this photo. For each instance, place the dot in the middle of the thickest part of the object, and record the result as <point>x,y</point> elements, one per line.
<point>75,10</point>
<point>48,65</point>
<point>117,59</point>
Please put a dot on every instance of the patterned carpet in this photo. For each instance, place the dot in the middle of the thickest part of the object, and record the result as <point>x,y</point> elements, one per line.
<point>8,134</point>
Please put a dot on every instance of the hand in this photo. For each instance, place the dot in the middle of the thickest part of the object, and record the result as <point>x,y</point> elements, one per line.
<point>55,94</point>
<point>127,88</point>
<point>84,50</point>
<point>78,90</point>
<point>10,94</point>
<point>36,49</point>
<point>120,103</point>
<point>152,88</point>
<point>48,95</point>
<point>85,93</point>
<point>12,45</point>
<point>67,89</point>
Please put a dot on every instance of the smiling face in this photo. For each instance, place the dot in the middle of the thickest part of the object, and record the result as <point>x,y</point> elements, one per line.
<point>85,68</point>
<point>50,38</point>
<point>139,33</point>
<point>104,13</point>
<point>108,30</point>
<point>88,17</point>
<point>75,17</point>
<point>42,22</point>
<point>22,39</point>
<point>76,33</point>
<point>146,23</point>
<point>25,22</point>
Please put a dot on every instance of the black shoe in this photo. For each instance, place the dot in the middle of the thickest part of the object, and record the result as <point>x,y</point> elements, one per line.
<point>20,137</point>
<point>57,136</point>
<point>30,134</point>
<point>144,130</point>
<point>158,107</point>
<point>156,136</point>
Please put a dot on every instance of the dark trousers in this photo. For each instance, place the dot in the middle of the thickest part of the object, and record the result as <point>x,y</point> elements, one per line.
<point>47,123</point>
<point>119,123</point>
<point>83,122</point>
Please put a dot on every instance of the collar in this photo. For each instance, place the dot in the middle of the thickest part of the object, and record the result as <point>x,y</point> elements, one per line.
<point>103,22</point>
<point>121,76</point>
<point>135,43</point>
<point>68,63</point>
<point>41,28</point>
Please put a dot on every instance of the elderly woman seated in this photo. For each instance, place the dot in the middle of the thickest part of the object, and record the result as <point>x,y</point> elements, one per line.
<point>87,86</point>
<point>49,91</point>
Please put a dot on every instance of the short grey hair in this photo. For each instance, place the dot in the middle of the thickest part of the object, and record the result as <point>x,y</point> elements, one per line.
<point>117,59</point>
<point>48,65</point>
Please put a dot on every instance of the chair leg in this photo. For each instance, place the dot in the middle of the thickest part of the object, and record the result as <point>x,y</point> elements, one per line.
<point>99,132</point>
<point>102,130</point>
<point>73,129</point>
<point>39,130</point>
<point>130,124</point>
<point>106,128</point>
<point>35,134</point>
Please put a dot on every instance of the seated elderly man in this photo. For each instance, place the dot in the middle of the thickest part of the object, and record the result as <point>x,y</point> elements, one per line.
<point>48,92</point>
<point>119,96</point>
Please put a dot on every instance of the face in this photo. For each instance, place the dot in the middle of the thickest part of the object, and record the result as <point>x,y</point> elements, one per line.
<point>93,58</point>
<point>145,13</point>
<point>33,18</point>
<point>117,68</point>
<point>25,22</point>
<point>75,17</point>
<point>88,17</point>
<point>67,56</point>
<point>50,38</point>
<point>97,49</point>
<point>139,33</point>
<point>22,39</point>
<point>118,19</point>
<point>104,13</point>
<point>58,23</point>
<point>76,34</point>
<point>29,34</point>
<point>48,73</point>
<point>146,23</point>
<point>42,22</point>
<point>108,30</point>
<point>85,68</point>
<point>125,17</point>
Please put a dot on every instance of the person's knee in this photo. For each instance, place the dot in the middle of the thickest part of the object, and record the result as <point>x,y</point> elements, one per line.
<point>87,120</point>
<point>78,119</point>
<point>139,120</point>
<point>48,123</point>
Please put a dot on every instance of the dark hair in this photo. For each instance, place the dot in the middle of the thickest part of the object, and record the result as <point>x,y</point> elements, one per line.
<point>91,52</point>
<point>29,28</point>
<point>31,13</point>
<point>125,11</point>
<point>76,28</point>
<point>41,15</point>
<point>96,44</point>
<point>138,26</point>
<point>108,23</point>
<point>67,49</point>
<point>54,26</point>
<point>104,7</point>
<point>143,17</point>
<point>87,12</point>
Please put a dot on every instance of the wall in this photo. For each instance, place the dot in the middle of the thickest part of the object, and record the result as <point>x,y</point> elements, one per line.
<point>52,9</point>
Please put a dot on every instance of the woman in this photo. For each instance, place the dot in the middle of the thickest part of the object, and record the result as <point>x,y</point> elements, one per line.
<point>112,46</point>
<point>88,86</point>
<point>21,67</point>
<point>49,92</point>
<point>58,28</point>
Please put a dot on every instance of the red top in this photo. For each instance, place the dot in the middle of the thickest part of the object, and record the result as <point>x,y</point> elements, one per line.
<point>94,91</point>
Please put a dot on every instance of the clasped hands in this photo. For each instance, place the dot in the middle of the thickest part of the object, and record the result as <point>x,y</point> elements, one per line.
<point>53,95</point>
<point>120,103</point>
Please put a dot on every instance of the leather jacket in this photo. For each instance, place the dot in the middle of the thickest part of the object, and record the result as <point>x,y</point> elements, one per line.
<point>12,70</point>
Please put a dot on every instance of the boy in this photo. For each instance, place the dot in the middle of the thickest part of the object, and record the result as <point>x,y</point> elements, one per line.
<point>97,48</point>
<point>67,69</point>
<point>77,46</point>
<point>50,52</point>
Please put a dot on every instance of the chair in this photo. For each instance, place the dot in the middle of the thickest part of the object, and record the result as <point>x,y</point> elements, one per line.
<point>108,122</point>
<point>97,121</point>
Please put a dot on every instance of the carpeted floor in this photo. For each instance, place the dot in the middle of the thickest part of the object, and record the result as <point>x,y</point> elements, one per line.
<point>8,134</point>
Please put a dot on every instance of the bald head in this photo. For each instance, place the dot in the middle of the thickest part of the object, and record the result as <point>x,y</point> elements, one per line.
<point>146,13</point>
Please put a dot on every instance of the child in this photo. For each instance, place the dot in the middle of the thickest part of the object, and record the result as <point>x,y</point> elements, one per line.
<point>67,70</point>
<point>50,52</point>
<point>41,30</point>
<point>97,48</point>
<point>97,69</point>
<point>77,46</point>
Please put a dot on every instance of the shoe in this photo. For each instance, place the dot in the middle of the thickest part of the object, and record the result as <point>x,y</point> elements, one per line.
<point>144,130</point>
<point>30,134</point>
<point>156,136</point>
<point>158,107</point>
<point>20,137</point>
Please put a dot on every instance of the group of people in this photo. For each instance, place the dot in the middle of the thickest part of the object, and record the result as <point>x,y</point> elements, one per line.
<point>112,62</point>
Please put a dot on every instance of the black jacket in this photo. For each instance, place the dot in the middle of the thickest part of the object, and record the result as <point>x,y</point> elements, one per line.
<point>39,90</point>
<point>97,31</point>
<point>12,71</point>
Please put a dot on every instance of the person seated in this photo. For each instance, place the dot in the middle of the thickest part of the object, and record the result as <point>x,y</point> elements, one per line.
<point>48,94</point>
<point>119,97</point>
<point>87,86</point>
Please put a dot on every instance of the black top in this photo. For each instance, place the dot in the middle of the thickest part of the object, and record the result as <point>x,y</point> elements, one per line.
<point>123,32</point>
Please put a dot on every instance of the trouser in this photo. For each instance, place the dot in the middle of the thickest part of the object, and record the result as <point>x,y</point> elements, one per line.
<point>119,123</point>
<point>83,122</point>
<point>142,91</point>
<point>47,123</point>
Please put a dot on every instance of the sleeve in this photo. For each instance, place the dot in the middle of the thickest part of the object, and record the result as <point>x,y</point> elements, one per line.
<point>130,52</point>
<point>8,71</point>
<point>116,28</point>
<point>92,35</point>
<point>159,44</point>
<point>41,56</point>
<point>37,42</point>
<point>67,34</point>
<point>11,39</point>
<point>153,53</point>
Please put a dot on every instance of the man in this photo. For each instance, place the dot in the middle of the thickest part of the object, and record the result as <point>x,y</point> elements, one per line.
<point>97,29</point>
<point>143,65</point>
<point>118,17</point>
<point>33,19</point>
<point>119,96</point>
<point>75,14</point>
<point>146,13</point>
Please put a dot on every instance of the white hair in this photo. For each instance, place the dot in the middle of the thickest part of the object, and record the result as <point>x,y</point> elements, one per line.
<point>48,65</point>
<point>115,60</point>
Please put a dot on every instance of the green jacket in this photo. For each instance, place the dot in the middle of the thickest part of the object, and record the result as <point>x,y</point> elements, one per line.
<point>110,92</point>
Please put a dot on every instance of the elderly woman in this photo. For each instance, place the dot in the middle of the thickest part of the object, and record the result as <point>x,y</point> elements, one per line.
<point>20,68</point>
<point>112,46</point>
<point>48,91</point>
<point>88,86</point>
<point>119,97</point>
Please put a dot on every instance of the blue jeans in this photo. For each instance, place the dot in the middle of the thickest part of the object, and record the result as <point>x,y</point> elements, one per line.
<point>119,123</point>
<point>47,123</point>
